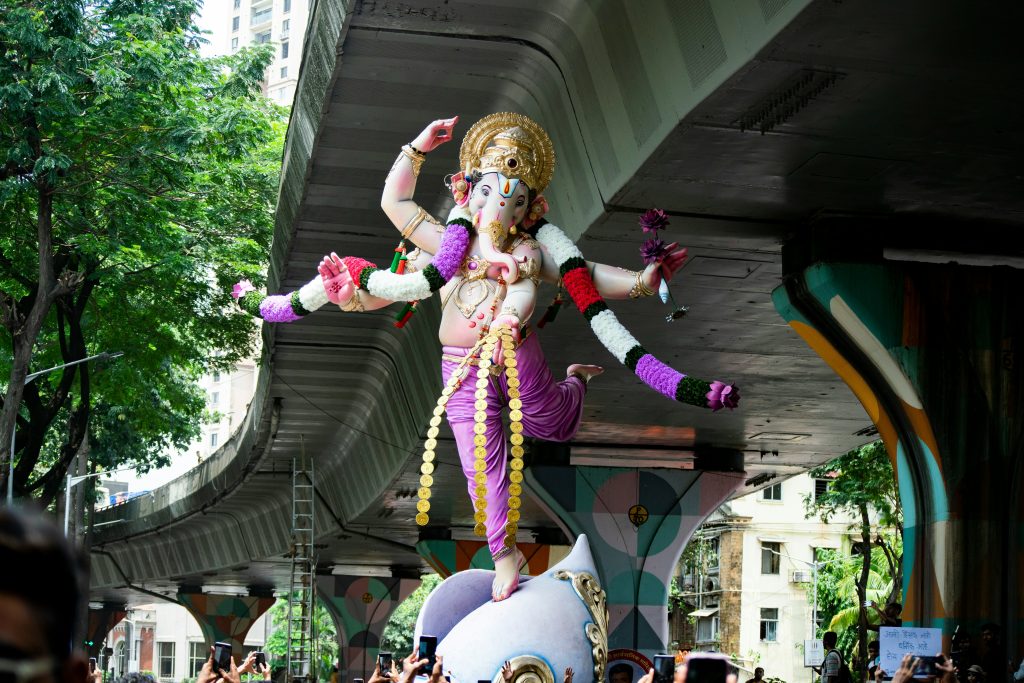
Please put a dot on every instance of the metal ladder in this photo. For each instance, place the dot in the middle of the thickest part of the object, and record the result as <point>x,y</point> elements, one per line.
<point>302,587</point>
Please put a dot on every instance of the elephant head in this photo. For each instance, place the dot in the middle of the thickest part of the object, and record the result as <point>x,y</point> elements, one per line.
<point>555,620</point>
<point>507,162</point>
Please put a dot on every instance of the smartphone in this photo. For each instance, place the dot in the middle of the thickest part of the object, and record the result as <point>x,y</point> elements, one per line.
<point>92,665</point>
<point>261,662</point>
<point>357,680</point>
<point>427,650</point>
<point>926,667</point>
<point>222,656</point>
<point>384,660</point>
<point>706,668</point>
<point>664,668</point>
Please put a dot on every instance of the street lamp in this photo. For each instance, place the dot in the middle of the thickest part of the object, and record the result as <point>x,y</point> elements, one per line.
<point>106,355</point>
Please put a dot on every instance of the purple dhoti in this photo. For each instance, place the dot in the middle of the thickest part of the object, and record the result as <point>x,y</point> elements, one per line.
<point>551,411</point>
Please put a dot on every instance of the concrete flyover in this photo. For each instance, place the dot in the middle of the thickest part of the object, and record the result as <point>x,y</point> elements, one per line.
<point>810,149</point>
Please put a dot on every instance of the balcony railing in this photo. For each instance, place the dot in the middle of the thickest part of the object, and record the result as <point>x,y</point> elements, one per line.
<point>261,17</point>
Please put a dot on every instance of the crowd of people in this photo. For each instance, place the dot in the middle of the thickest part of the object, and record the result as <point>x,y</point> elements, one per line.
<point>41,600</point>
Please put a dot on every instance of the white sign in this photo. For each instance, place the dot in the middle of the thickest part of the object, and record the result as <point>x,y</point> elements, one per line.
<point>897,642</point>
<point>814,652</point>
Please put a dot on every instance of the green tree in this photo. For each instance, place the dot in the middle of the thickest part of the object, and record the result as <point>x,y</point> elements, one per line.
<point>137,180</point>
<point>398,632</point>
<point>325,639</point>
<point>861,482</point>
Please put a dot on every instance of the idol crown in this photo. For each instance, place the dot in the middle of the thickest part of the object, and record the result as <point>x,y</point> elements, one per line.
<point>511,144</point>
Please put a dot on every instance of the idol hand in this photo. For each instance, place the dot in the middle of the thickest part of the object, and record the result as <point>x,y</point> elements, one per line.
<point>337,280</point>
<point>435,134</point>
<point>664,267</point>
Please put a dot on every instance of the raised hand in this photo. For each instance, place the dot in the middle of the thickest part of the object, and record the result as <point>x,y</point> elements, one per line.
<point>665,267</point>
<point>435,134</point>
<point>568,675</point>
<point>506,671</point>
<point>337,280</point>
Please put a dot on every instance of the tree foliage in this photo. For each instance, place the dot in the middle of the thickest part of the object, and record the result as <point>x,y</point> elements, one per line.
<point>325,639</point>
<point>398,633</point>
<point>861,484</point>
<point>137,181</point>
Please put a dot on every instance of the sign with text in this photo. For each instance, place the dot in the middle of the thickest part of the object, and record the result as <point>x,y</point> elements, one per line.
<point>899,641</point>
<point>814,652</point>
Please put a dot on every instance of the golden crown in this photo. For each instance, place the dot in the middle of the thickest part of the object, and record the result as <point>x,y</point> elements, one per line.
<point>511,144</point>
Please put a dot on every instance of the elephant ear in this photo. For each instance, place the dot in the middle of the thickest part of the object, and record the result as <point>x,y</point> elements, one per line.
<point>538,207</point>
<point>456,597</point>
<point>461,187</point>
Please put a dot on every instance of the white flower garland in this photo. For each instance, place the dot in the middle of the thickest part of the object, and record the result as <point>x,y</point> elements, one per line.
<point>396,287</point>
<point>606,326</point>
<point>312,295</point>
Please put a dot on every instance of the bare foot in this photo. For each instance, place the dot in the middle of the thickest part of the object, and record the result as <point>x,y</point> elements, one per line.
<point>506,575</point>
<point>587,372</point>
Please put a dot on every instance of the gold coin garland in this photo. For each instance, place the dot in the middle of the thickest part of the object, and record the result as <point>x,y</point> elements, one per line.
<point>484,349</point>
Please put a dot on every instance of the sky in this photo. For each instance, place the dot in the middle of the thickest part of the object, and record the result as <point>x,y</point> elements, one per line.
<point>215,16</point>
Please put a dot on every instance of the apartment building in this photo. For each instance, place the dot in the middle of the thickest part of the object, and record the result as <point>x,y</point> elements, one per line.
<point>281,23</point>
<point>748,593</point>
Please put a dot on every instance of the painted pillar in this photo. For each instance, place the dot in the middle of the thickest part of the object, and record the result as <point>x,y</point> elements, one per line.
<point>361,607</point>
<point>447,557</point>
<point>225,618</point>
<point>101,622</point>
<point>638,521</point>
<point>935,353</point>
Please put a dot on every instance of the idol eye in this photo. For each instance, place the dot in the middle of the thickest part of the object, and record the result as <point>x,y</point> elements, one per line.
<point>485,191</point>
<point>520,201</point>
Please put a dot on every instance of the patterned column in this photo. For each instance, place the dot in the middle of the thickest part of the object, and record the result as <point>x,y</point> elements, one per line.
<point>225,618</point>
<point>448,557</point>
<point>101,622</point>
<point>638,522</point>
<point>361,607</point>
<point>934,354</point>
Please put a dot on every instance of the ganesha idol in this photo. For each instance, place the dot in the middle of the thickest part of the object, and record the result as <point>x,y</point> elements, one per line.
<point>487,261</point>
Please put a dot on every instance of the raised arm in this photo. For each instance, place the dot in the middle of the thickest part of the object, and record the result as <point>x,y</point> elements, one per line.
<point>613,282</point>
<point>396,200</point>
<point>342,290</point>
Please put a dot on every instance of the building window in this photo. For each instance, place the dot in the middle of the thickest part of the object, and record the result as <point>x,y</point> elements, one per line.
<point>165,659</point>
<point>769,624</point>
<point>234,43</point>
<point>284,72</point>
<point>773,492</point>
<point>287,5</point>
<point>286,26</point>
<point>234,23</point>
<point>713,547</point>
<point>284,50</point>
<point>821,487</point>
<point>707,629</point>
<point>198,653</point>
<point>216,373</point>
<point>262,38</point>
<point>770,557</point>
<point>215,398</point>
<point>213,444</point>
<point>238,3</point>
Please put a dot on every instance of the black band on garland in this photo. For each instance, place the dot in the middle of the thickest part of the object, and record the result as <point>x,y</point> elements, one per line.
<point>593,309</point>
<point>634,355</point>
<point>693,391</point>
<point>570,263</point>
<point>297,306</point>
<point>433,277</point>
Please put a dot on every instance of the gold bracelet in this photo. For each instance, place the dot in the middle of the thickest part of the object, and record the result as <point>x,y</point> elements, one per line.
<point>414,222</point>
<point>416,158</point>
<point>354,305</point>
<point>639,288</point>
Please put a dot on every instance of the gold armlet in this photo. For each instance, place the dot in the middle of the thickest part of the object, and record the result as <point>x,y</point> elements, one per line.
<point>530,269</point>
<point>415,158</point>
<point>354,305</point>
<point>639,288</point>
<point>509,309</point>
<point>414,222</point>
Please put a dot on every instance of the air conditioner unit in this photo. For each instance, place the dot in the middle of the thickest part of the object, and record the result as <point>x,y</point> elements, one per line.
<point>801,577</point>
<point>712,584</point>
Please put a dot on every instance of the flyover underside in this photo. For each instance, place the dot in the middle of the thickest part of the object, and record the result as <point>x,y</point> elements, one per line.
<point>647,106</point>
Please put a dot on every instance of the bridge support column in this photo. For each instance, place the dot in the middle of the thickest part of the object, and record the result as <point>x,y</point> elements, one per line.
<point>448,557</point>
<point>225,618</point>
<point>361,607</point>
<point>101,622</point>
<point>935,353</point>
<point>638,521</point>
